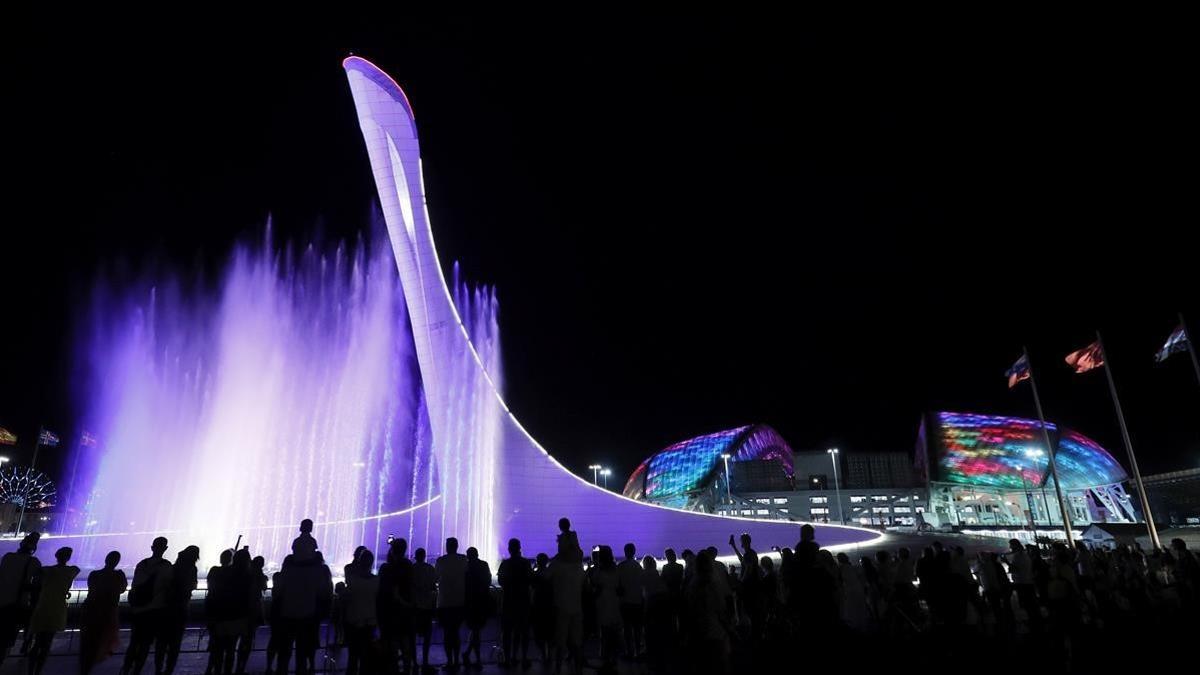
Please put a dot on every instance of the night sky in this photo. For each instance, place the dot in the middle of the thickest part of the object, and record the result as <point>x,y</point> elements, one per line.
<point>692,223</point>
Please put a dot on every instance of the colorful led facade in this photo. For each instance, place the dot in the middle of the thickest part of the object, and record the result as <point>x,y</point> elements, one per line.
<point>677,471</point>
<point>1010,453</point>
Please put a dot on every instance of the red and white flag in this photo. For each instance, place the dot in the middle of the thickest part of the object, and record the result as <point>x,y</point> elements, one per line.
<point>1088,358</point>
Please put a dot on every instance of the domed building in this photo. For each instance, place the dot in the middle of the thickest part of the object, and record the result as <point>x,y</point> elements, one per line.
<point>691,474</point>
<point>991,470</point>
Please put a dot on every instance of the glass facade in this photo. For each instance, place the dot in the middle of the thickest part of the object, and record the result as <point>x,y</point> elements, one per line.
<point>680,471</point>
<point>1010,452</point>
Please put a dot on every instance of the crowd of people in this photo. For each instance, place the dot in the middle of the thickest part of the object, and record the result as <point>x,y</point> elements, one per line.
<point>694,614</point>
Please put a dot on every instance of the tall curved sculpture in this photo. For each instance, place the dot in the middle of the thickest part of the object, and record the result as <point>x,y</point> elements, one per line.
<point>496,481</point>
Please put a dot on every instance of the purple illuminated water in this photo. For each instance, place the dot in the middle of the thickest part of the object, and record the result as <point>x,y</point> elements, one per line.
<point>288,391</point>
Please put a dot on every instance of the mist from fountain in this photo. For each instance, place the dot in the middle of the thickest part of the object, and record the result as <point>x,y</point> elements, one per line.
<point>290,390</point>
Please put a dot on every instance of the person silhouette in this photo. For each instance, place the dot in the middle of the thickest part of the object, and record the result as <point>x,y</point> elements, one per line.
<point>424,593</point>
<point>748,591</point>
<point>630,591</point>
<point>359,612</point>
<point>242,596</point>
<point>542,612</point>
<point>658,615</point>
<point>148,600</point>
<point>478,602</point>
<point>175,614</point>
<point>19,572</point>
<point>257,586</point>
<point>304,545</point>
<point>708,620</point>
<point>566,582</point>
<point>568,542</point>
<point>515,576</point>
<point>672,578</point>
<point>395,604</point>
<point>605,583</point>
<point>220,609</point>
<point>301,597</point>
<point>451,599</point>
<point>50,614</point>
<point>99,623</point>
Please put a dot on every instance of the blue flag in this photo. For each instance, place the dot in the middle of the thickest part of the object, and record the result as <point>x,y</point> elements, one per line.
<point>1018,372</point>
<point>1176,342</point>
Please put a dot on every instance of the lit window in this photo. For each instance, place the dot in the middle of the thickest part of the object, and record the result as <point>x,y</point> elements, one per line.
<point>747,512</point>
<point>879,498</point>
<point>762,500</point>
<point>880,509</point>
<point>762,512</point>
<point>968,509</point>
<point>857,499</point>
<point>818,500</point>
<point>818,511</point>
<point>920,509</point>
<point>780,500</point>
<point>783,510</point>
<point>864,521</point>
<point>901,509</point>
<point>916,498</point>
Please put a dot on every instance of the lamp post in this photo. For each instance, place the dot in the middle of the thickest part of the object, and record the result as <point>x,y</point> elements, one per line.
<point>837,488</point>
<point>595,473</point>
<point>604,472</point>
<point>1032,454</point>
<point>728,490</point>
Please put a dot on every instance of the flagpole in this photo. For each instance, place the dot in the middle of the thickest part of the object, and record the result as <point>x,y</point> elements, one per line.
<point>1191,347</point>
<point>69,502</point>
<point>1062,504</point>
<point>1137,474</point>
<point>37,445</point>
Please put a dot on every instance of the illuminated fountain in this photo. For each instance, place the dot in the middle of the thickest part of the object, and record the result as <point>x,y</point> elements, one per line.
<point>291,391</point>
<point>357,388</point>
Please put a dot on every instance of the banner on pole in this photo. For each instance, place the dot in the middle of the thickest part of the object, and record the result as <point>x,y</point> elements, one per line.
<point>1176,343</point>
<point>1018,372</point>
<point>1088,358</point>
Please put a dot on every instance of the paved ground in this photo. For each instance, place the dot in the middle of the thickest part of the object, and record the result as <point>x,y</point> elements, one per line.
<point>64,657</point>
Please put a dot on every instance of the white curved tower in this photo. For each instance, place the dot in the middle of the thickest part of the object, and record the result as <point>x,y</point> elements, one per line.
<point>496,481</point>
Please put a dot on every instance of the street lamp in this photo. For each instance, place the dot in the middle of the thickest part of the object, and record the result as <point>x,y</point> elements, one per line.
<point>833,453</point>
<point>728,493</point>
<point>595,473</point>
<point>1033,454</point>
<point>604,472</point>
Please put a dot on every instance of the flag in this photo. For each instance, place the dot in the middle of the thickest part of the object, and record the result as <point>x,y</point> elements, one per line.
<point>1018,372</point>
<point>87,440</point>
<point>1176,342</point>
<point>7,437</point>
<point>1088,358</point>
<point>48,438</point>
